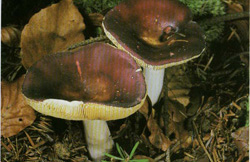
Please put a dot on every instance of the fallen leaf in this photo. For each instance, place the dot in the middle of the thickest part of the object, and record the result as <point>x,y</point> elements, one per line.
<point>178,84</point>
<point>145,110</point>
<point>245,59</point>
<point>10,36</point>
<point>195,101</point>
<point>96,19</point>
<point>51,30</point>
<point>245,4</point>
<point>16,114</point>
<point>241,25</point>
<point>241,139</point>
<point>148,144</point>
<point>179,133</point>
<point>121,130</point>
<point>143,157</point>
<point>157,138</point>
<point>176,110</point>
<point>234,7</point>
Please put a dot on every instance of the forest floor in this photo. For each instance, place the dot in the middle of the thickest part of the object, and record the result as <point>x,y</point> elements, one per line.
<point>202,114</point>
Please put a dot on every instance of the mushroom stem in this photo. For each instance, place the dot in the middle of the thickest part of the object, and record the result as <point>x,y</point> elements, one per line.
<point>154,80</point>
<point>98,138</point>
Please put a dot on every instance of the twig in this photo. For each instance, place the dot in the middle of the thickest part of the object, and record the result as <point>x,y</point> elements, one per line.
<point>79,148</point>
<point>17,150</point>
<point>235,55</point>
<point>209,62</point>
<point>36,146</point>
<point>47,136</point>
<point>121,132</point>
<point>227,17</point>
<point>164,154</point>
<point>11,144</point>
<point>215,155</point>
<point>219,73</point>
<point>187,154</point>
<point>210,139</point>
<point>5,146</point>
<point>201,143</point>
<point>240,158</point>
<point>168,155</point>
<point>30,140</point>
<point>160,157</point>
<point>13,73</point>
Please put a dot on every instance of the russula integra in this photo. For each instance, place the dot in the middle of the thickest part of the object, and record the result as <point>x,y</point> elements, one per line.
<point>94,84</point>
<point>157,34</point>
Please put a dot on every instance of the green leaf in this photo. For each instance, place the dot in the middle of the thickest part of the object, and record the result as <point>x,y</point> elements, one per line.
<point>119,150</point>
<point>139,160</point>
<point>112,156</point>
<point>133,150</point>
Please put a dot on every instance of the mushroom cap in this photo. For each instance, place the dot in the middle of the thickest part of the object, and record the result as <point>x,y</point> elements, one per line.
<point>157,33</point>
<point>97,82</point>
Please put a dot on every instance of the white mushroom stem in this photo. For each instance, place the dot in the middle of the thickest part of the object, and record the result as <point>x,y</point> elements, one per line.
<point>154,80</point>
<point>98,138</point>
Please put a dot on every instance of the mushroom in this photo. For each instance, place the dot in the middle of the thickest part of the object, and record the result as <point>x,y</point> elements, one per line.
<point>157,34</point>
<point>94,84</point>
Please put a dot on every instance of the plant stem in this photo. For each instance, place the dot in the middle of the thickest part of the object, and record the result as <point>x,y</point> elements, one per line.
<point>201,143</point>
<point>227,17</point>
<point>165,114</point>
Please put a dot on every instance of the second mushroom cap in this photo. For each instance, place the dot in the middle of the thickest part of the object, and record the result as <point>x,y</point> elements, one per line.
<point>157,33</point>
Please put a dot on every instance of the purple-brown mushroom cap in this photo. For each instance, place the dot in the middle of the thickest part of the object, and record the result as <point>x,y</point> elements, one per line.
<point>157,33</point>
<point>96,82</point>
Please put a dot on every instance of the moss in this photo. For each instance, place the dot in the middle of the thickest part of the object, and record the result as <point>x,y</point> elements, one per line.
<point>203,9</point>
<point>213,32</point>
<point>97,5</point>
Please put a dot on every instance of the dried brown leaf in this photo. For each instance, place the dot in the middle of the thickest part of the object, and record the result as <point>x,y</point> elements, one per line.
<point>143,157</point>
<point>180,134</point>
<point>195,100</point>
<point>10,36</point>
<point>241,139</point>
<point>176,110</point>
<point>234,7</point>
<point>122,128</point>
<point>144,110</point>
<point>245,4</point>
<point>157,138</point>
<point>241,25</point>
<point>15,113</point>
<point>179,85</point>
<point>51,30</point>
<point>96,19</point>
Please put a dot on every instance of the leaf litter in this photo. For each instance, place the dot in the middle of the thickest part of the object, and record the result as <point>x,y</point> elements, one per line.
<point>206,100</point>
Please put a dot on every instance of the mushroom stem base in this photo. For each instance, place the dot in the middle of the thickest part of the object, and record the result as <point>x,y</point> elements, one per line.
<point>98,138</point>
<point>154,80</point>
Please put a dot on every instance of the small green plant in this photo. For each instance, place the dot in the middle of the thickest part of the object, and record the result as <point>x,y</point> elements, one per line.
<point>96,5</point>
<point>124,157</point>
<point>202,8</point>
